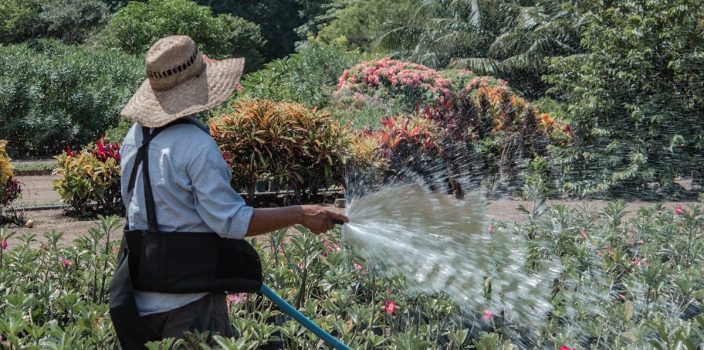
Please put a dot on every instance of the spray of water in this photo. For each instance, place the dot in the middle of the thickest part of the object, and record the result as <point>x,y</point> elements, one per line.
<point>442,244</point>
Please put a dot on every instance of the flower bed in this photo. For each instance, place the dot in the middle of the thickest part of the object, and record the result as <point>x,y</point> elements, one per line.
<point>624,284</point>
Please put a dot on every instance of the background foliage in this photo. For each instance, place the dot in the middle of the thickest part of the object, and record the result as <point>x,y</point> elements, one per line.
<point>635,100</point>
<point>135,27</point>
<point>308,76</point>
<point>72,21</point>
<point>53,95</point>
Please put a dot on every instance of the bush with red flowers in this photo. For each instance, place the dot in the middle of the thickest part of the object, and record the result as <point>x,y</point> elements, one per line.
<point>482,135</point>
<point>89,180</point>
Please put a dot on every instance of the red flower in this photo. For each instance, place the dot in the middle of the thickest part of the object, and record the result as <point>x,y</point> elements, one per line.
<point>3,244</point>
<point>69,153</point>
<point>679,210</point>
<point>66,262</point>
<point>389,307</point>
<point>565,347</point>
<point>487,315</point>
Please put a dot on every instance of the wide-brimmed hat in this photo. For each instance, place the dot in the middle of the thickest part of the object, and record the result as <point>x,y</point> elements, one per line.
<point>180,82</point>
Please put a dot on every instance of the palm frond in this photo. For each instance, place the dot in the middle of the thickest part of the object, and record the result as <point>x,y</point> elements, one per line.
<point>481,65</point>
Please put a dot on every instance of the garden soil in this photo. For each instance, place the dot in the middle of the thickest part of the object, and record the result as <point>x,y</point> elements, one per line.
<point>38,191</point>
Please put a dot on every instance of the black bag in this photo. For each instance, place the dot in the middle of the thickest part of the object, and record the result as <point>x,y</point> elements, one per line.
<point>173,262</point>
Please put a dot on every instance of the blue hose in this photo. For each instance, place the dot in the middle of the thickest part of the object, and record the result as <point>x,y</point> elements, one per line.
<point>305,321</point>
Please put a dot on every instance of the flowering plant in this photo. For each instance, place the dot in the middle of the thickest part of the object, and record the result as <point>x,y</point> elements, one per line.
<point>89,179</point>
<point>384,80</point>
<point>286,143</point>
<point>630,274</point>
<point>10,188</point>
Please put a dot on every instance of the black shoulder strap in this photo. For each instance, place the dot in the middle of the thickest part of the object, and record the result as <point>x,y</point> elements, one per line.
<point>142,158</point>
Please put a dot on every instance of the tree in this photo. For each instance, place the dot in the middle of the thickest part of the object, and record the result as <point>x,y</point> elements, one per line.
<point>635,100</point>
<point>135,27</point>
<point>358,23</point>
<point>72,20</point>
<point>507,39</point>
<point>69,20</point>
<point>277,19</point>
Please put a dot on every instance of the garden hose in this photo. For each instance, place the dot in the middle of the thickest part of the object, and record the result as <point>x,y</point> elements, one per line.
<point>303,320</point>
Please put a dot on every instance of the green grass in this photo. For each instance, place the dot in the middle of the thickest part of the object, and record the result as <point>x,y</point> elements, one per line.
<point>33,168</point>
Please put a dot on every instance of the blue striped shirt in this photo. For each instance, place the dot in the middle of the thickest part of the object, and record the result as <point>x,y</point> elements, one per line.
<point>192,193</point>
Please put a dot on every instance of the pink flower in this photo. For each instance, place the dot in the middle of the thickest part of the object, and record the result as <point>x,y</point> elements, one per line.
<point>3,244</point>
<point>487,315</point>
<point>357,266</point>
<point>235,298</point>
<point>389,307</point>
<point>490,228</point>
<point>66,262</point>
<point>330,247</point>
<point>582,233</point>
<point>639,262</point>
<point>565,347</point>
<point>679,210</point>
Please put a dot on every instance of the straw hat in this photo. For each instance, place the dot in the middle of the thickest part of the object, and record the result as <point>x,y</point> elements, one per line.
<point>180,82</point>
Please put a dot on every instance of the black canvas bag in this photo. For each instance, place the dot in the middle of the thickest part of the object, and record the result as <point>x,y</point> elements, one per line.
<point>173,262</point>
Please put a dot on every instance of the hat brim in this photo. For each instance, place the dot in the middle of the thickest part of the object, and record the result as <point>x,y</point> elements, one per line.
<point>211,88</point>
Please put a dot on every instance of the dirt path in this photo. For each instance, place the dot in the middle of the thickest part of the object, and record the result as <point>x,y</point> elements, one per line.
<point>40,192</point>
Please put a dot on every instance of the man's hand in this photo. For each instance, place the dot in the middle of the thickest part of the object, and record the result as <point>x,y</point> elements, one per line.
<point>318,219</point>
<point>314,217</point>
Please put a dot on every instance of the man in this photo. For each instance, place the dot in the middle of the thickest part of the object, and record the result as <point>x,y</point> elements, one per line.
<point>189,182</point>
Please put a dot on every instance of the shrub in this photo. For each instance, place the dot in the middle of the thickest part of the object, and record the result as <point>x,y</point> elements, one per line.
<point>308,76</point>
<point>10,189</point>
<point>286,143</point>
<point>69,20</point>
<point>634,100</point>
<point>135,27</point>
<point>482,135</point>
<point>61,95</point>
<point>388,79</point>
<point>89,180</point>
<point>389,87</point>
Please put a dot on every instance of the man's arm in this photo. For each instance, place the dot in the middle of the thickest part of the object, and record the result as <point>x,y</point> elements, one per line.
<point>314,217</point>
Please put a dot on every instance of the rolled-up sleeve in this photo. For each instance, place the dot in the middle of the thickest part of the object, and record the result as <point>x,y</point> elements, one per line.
<point>218,204</point>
